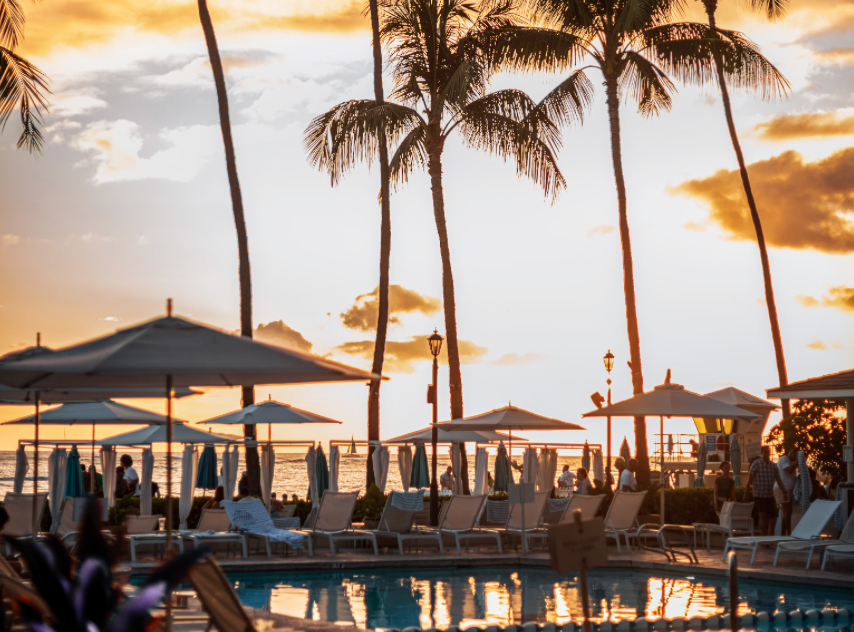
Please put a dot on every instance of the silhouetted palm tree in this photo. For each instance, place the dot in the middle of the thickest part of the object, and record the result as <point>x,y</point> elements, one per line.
<point>253,464</point>
<point>22,85</point>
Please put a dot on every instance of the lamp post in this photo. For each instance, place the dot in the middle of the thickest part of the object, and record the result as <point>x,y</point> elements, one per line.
<point>435,341</point>
<point>609,364</point>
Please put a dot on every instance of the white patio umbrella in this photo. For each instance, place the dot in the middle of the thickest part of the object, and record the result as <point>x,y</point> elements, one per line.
<point>334,467</point>
<point>166,353</point>
<point>457,465</point>
<point>189,468</point>
<point>404,465</point>
<point>456,436</point>
<point>181,433</point>
<point>380,460</point>
<point>269,412</point>
<point>311,467</point>
<point>481,467</point>
<point>21,467</point>
<point>671,400</point>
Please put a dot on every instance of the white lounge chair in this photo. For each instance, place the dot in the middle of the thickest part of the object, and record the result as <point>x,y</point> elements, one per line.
<point>215,527</point>
<point>251,517</point>
<point>844,549</point>
<point>68,528</point>
<point>334,517</point>
<point>809,547</point>
<point>20,510</point>
<point>735,519</point>
<point>142,530</point>
<point>622,515</point>
<point>533,518</point>
<point>394,523</point>
<point>809,528</point>
<point>460,521</point>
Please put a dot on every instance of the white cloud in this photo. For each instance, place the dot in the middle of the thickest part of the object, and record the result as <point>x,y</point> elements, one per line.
<point>143,240</point>
<point>116,145</point>
<point>11,240</point>
<point>76,104</point>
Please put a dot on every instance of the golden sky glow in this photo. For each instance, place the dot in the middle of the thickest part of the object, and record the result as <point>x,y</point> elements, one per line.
<point>130,205</point>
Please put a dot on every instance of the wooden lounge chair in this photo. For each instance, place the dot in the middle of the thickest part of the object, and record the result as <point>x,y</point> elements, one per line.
<point>218,598</point>
<point>20,510</point>
<point>809,528</point>
<point>846,539</point>
<point>460,521</point>
<point>736,519</point>
<point>334,517</point>
<point>622,515</point>
<point>394,523</point>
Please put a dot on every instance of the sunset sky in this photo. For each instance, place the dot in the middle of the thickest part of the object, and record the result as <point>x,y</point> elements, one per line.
<point>129,205</point>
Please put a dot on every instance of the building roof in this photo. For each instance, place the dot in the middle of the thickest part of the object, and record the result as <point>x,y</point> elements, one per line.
<point>836,385</point>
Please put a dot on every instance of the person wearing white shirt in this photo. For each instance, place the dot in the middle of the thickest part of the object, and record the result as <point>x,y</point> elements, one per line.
<point>566,480</point>
<point>131,476</point>
<point>787,466</point>
<point>628,482</point>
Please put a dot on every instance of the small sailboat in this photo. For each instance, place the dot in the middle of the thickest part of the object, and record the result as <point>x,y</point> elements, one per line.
<point>351,451</point>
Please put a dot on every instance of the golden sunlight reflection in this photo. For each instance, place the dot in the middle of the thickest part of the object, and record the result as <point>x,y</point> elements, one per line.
<point>672,598</point>
<point>289,601</point>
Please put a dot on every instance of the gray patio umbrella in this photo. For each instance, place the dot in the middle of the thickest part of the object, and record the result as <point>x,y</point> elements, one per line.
<point>585,457</point>
<point>452,436</point>
<point>702,452</point>
<point>169,352</point>
<point>322,472</point>
<point>420,473</point>
<point>735,460</point>
<point>269,412</point>
<point>206,477</point>
<point>503,475</point>
<point>625,450</point>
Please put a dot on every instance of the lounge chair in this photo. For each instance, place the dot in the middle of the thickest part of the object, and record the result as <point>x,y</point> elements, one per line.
<point>809,528</point>
<point>735,519</point>
<point>251,518</point>
<point>287,511</point>
<point>68,528</point>
<point>218,598</point>
<point>846,539</point>
<point>460,520</point>
<point>845,550</point>
<point>17,590</point>
<point>533,518</point>
<point>622,515</point>
<point>334,517</point>
<point>396,523</point>
<point>143,530</point>
<point>20,510</point>
<point>214,527</point>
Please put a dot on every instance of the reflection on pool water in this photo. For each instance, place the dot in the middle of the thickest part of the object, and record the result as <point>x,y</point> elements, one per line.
<point>502,596</point>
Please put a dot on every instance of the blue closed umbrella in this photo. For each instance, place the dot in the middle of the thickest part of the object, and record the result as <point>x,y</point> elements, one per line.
<point>322,469</point>
<point>420,476</point>
<point>73,476</point>
<point>625,452</point>
<point>207,476</point>
<point>735,460</point>
<point>585,457</point>
<point>503,476</point>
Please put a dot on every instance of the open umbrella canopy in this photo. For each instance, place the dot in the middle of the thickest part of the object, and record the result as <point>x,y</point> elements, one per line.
<point>94,413</point>
<point>10,395</point>
<point>181,433</point>
<point>193,354</point>
<point>452,436</point>
<point>73,476</point>
<point>736,397</point>
<point>206,478</point>
<point>672,400</point>
<point>420,474</point>
<point>509,418</point>
<point>270,412</point>
<point>503,476</point>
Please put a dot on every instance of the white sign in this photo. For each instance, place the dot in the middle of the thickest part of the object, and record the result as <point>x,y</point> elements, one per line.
<point>522,493</point>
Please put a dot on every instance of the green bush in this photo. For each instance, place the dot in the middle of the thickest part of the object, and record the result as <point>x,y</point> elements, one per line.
<point>370,506</point>
<point>687,505</point>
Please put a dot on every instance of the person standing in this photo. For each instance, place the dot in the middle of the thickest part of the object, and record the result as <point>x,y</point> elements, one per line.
<point>446,481</point>
<point>787,466</point>
<point>566,480</point>
<point>764,474</point>
<point>724,487</point>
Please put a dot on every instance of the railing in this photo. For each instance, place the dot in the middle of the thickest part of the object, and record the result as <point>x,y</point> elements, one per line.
<point>685,448</point>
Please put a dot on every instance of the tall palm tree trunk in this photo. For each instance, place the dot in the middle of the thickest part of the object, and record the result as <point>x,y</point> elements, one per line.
<point>253,465</point>
<point>385,253</point>
<point>434,167</point>
<point>754,215</point>
<point>641,451</point>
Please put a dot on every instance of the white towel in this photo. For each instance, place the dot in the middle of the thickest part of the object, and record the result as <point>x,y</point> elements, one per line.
<point>252,516</point>
<point>408,501</point>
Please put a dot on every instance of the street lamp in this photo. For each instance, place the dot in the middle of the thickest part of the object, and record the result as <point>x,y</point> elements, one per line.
<point>435,341</point>
<point>609,364</point>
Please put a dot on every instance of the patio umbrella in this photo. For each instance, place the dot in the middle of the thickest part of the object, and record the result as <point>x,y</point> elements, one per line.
<point>625,451</point>
<point>322,472</point>
<point>21,467</point>
<point>311,470</point>
<point>269,412</point>
<point>585,457</point>
<point>334,467</point>
<point>454,436</point>
<point>420,473</point>
<point>670,444</point>
<point>503,476</point>
<point>735,460</point>
<point>404,466</point>
<point>181,433</point>
<point>73,477</point>
<point>598,466</point>
<point>803,484</point>
<point>207,476</point>
<point>700,481</point>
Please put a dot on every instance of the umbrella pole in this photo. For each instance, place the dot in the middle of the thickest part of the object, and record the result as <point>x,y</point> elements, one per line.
<point>661,447</point>
<point>92,470</point>
<point>168,488</point>
<point>36,469</point>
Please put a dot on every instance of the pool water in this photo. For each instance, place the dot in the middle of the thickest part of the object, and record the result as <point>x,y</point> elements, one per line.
<point>502,596</point>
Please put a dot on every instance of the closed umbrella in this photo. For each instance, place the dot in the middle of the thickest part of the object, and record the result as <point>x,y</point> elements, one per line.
<point>73,476</point>
<point>56,472</point>
<point>21,467</point>
<point>230,459</point>
<point>334,467</point>
<point>456,464</point>
<point>503,476</point>
<point>735,459</point>
<point>380,459</point>
<point>420,474</point>
<point>670,444</point>
<point>529,466</point>
<point>481,467</point>
<point>404,465</point>
<point>598,467</point>
<point>207,476</point>
<point>543,481</point>
<point>551,466</point>
<point>268,468</point>
<point>585,456</point>
<point>311,470</point>
<point>144,491</point>
<point>189,463</point>
<point>701,466</point>
<point>625,451</point>
<point>803,484</point>
<point>108,467</point>
<point>322,472</point>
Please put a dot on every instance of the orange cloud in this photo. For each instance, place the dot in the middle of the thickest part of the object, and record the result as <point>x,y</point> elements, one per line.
<point>816,345</point>
<point>514,359</point>
<point>363,315</point>
<point>805,125</point>
<point>401,357</point>
<point>278,333</point>
<point>840,297</point>
<point>803,205</point>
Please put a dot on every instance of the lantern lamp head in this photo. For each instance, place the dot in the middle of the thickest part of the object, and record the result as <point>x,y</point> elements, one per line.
<point>609,361</point>
<point>435,341</point>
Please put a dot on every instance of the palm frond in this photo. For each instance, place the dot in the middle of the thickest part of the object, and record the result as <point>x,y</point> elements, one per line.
<point>773,9</point>
<point>410,154</point>
<point>646,84</point>
<point>12,21</point>
<point>534,49</point>
<point>567,102</point>
<point>24,86</point>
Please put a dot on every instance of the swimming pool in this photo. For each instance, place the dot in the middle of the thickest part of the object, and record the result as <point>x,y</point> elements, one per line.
<point>502,596</point>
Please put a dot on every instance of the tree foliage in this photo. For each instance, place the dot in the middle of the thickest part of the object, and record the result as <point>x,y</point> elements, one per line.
<point>816,428</point>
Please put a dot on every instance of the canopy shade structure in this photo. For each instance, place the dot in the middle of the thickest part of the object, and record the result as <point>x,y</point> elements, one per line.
<point>452,436</point>
<point>270,412</point>
<point>736,397</point>
<point>509,418</point>
<point>9,395</point>
<point>181,433</point>
<point>95,413</point>
<point>191,353</point>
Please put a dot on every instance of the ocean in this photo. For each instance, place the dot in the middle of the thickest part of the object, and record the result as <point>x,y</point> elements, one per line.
<point>290,476</point>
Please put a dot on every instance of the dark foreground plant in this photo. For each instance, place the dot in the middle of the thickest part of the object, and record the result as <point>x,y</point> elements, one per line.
<point>84,595</point>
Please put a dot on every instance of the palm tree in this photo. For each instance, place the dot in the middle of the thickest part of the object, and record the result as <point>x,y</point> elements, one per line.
<point>253,464</point>
<point>768,83</point>
<point>22,85</point>
<point>440,74</point>
<point>385,248</point>
<point>633,44</point>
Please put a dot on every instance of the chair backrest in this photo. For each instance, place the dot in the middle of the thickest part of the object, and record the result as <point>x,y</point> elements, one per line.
<point>250,515</point>
<point>20,510</point>
<point>624,510</point>
<point>287,511</point>
<point>218,598</point>
<point>67,524</point>
<point>336,511</point>
<point>310,519</point>
<point>847,534</point>
<point>588,505</point>
<point>462,512</point>
<point>555,510</point>
<point>18,591</point>
<point>141,524</point>
<point>739,516</point>
<point>214,520</point>
<point>533,512</point>
<point>395,519</point>
<point>814,520</point>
